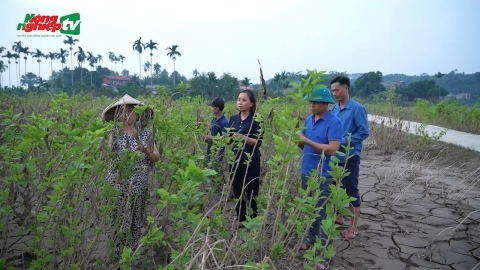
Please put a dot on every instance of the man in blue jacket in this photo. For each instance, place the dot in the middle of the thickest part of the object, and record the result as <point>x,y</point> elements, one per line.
<point>354,119</point>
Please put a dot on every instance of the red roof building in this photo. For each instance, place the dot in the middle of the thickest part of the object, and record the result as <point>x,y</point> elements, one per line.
<point>115,80</point>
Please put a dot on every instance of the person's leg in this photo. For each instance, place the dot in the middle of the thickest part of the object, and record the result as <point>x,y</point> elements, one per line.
<point>315,232</point>
<point>252,186</point>
<point>350,184</point>
<point>237,185</point>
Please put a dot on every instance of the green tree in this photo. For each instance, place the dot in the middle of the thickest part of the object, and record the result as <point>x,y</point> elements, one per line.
<point>38,54</point>
<point>173,53</point>
<point>152,46</point>
<point>8,55</point>
<point>368,84</point>
<point>139,46</point>
<point>71,41</point>
<point>424,89</point>
<point>80,59</point>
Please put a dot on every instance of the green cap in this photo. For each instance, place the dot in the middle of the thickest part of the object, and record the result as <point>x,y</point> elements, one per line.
<point>320,95</point>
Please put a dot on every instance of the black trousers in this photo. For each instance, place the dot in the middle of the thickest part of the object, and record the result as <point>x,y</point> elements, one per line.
<point>250,185</point>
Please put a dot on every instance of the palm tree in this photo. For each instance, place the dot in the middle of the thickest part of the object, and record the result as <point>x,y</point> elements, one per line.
<point>3,67</point>
<point>246,82</point>
<point>63,59</point>
<point>99,58</point>
<point>173,53</point>
<point>80,58</point>
<point>121,58</point>
<point>195,73</point>
<point>91,61</point>
<point>152,46</point>
<point>139,46</point>
<point>70,41</point>
<point>25,52</point>
<point>38,54</point>
<point>157,68</point>
<point>111,56</point>
<point>2,49</point>
<point>51,56</point>
<point>16,56</point>
<point>29,79</point>
<point>17,47</point>
<point>116,59</point>
<point>8,55</point>
<point>146,66</point>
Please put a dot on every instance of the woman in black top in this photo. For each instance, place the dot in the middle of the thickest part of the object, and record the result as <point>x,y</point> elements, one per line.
<point>246,178</point>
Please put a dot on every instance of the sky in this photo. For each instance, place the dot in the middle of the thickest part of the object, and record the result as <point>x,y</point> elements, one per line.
<point>410,37</point>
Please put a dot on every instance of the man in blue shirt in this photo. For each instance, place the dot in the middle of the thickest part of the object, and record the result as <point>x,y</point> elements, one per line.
<point>218,126</point>
<point>322,134</point>
<point>354,119</point>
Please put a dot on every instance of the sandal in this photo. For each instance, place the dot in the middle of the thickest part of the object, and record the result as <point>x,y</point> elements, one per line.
<point>323,265</point>
<point>306,246</point>
<point>349,235</point>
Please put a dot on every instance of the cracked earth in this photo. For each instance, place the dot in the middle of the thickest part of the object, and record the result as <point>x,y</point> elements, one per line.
<point>414,215</point>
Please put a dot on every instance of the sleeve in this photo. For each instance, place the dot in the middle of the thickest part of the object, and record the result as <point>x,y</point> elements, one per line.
<point>304,130</point>
<point>257,133</point>
<point>361,122</point>
<point>335,132</point>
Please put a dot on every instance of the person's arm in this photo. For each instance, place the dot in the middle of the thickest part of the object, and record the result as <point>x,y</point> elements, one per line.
<point>256,135</point>
<point>153,156</point>
<point>361,122</point>
<point>334,137</point>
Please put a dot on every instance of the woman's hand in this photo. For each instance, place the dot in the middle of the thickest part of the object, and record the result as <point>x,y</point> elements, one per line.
<point>242,136</point>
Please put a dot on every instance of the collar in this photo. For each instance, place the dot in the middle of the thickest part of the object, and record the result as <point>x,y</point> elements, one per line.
<point>347,105</point>
<point>216,120</point>
<point>325,117</point>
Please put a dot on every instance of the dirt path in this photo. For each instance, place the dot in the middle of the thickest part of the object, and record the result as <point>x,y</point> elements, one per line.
<point>464,139</point>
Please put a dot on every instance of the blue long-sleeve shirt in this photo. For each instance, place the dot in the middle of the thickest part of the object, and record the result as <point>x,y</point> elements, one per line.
<point>354,119</point>
<point>218,127</point>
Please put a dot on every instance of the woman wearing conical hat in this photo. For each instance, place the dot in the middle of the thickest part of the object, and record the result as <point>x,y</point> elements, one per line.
<point>129,176</point>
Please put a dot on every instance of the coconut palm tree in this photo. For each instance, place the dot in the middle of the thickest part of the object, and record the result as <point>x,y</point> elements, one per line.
<point>52,56</point>
<point>71,41</point>
<point>139,46</point>
<point>173,53</point>
<point>111,56</point>
<point>152,46</point>
<point>121,58</point>
<point>115,60</point>
<point>8,55</point>
<point>63,59</point>
<point>38,54</point>
<point>80,59</point>
<point>91,62</point>
<point>3,67</point>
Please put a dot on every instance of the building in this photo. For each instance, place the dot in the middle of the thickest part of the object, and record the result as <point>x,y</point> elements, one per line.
<point>115,80</point>
<point>459,96</point>
<point>395,85</point>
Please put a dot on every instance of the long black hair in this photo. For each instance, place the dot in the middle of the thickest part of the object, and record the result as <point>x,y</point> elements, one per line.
<point>251,97</point>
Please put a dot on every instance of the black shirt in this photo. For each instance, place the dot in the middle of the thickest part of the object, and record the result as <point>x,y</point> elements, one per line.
<point>243,127</point>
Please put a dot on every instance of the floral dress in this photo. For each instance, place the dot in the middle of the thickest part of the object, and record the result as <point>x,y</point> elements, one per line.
<point>128,215</point>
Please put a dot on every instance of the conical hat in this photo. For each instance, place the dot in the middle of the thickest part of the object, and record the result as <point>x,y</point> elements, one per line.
<point>109,112</point>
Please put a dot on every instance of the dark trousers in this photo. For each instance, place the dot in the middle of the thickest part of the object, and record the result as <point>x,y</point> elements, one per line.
<point>250,186</point>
